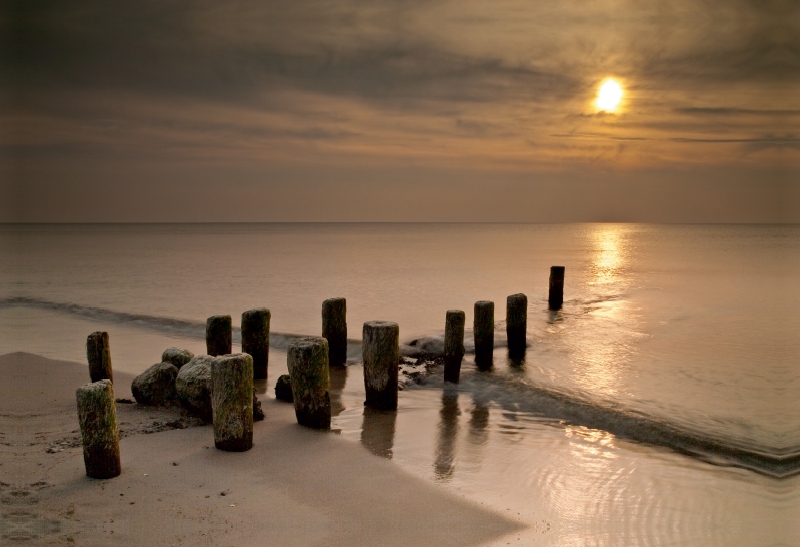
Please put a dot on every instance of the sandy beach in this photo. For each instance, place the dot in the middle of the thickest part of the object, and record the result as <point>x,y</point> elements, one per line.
<point>295,487</point>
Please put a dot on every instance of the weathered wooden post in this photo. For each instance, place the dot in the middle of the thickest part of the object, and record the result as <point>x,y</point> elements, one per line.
<point>381,355</point>
<point>255,339</point>
<point>218,335</point>
<point>310,379</point>
<point>453,345</point>
<point>99,356</point>
<point>555,297</point>
<point>483,329</point>
<point>334,329</point>
<point>97,415</point>
<point>516,323</point>
<point>232,402</point>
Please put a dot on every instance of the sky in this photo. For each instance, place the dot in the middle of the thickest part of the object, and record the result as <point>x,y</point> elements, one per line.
<point>379,110</point>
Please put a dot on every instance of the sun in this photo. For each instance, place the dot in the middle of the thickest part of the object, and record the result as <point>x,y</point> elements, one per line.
<point>608,96</point>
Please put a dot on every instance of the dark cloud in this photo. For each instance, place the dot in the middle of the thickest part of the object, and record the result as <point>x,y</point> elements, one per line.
<point>443,84</point>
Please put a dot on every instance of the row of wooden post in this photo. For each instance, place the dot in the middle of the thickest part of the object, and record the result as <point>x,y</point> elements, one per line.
<point>309,360</point>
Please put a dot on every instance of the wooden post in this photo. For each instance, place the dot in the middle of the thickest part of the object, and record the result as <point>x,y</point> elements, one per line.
<point>334,329</point>
<point>310,379</point>
<point>97,415</point>
<point>483,329</point>
<point>555,297</point>
<point>99,356</point>
<point>255,339</point>
<point>453,345</point>
<point>232,402</point>
<point>517,324</point>
<point>218,335</point>
<point>381,354</point>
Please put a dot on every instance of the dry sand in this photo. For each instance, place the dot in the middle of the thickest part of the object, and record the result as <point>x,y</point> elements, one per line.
<point>295,487</point>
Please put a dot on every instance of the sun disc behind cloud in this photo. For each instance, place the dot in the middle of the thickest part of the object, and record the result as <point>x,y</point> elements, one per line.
<point>609,95</point>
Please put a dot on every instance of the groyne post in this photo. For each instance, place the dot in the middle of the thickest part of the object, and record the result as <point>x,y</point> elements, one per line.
<point>218,335</point>
<point>483,329</point>
<point>516,323</point>
<point>232,402</point>
<point>99,356</point>
<point>381,355</point>
<point>310,380</point>
<point>555,297</point>
<point>334,330</point>
<point>255,339</point>
<point>453,344</point>
<point>97,416</point>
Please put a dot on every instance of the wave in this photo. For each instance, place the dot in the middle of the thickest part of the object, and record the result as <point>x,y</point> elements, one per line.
<point>512,394</point>
<point>515,395</point>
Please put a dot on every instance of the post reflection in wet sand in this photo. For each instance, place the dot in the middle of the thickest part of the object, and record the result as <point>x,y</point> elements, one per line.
<point>377,431</point>
<point>444,461</point>
<point>338,377</point>
<point>260,386</point>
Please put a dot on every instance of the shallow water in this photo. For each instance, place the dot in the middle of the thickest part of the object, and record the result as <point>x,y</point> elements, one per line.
<point>665,331</point>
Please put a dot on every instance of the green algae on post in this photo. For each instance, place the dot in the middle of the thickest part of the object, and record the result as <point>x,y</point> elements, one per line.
<point>483,331</point>
<point>97,416</point>
<point>218,335</point>
<point>255,339</point>
<point>307,359</point>
<point>334,329</point>
<point>232,402</point>
<point>517,324</point>
<point>98,354</point>
<point>453,345</point>
<point>381,355</point>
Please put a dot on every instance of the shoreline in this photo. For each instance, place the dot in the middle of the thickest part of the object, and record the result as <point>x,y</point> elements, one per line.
<point>295,487</point>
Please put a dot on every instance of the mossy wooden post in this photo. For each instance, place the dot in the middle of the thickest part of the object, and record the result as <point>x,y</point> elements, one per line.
<point>97,415</point>
<point>453,345</point>
<point>232,402</point>
<point>483,329</point>
<point>310,379</point>
<point>255,339</point>
<point>555,297</point>
<point>334,330</point>
<point>517,323</point>
<point>218,335</point>
<point>99,356</point>
<point>381,354</point>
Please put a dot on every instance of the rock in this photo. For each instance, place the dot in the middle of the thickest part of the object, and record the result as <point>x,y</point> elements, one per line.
<point>177,356</point>
<point>156,385</point>
<point>258,412</point>
<point>283,389</point>
<point>193,386</point>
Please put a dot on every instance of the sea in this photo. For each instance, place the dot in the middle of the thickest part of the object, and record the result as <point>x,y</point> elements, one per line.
<point>659,407</point>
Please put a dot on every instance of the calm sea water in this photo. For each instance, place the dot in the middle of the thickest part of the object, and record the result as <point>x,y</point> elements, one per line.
<point>661,406</point>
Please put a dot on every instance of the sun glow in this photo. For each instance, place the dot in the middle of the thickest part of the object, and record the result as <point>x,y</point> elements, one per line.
<point>608,96</point>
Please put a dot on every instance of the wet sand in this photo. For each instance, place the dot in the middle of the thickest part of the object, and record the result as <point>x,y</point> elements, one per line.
<point>295,487</point>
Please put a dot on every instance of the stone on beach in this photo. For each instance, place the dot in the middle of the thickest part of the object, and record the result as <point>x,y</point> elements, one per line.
<point>156,385</point>
<point>307,359</point>
<point>232,402</point>
<point>97,415</point>
<point>283,388</point>
<point>177,356</point>
<point>193,386</point>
